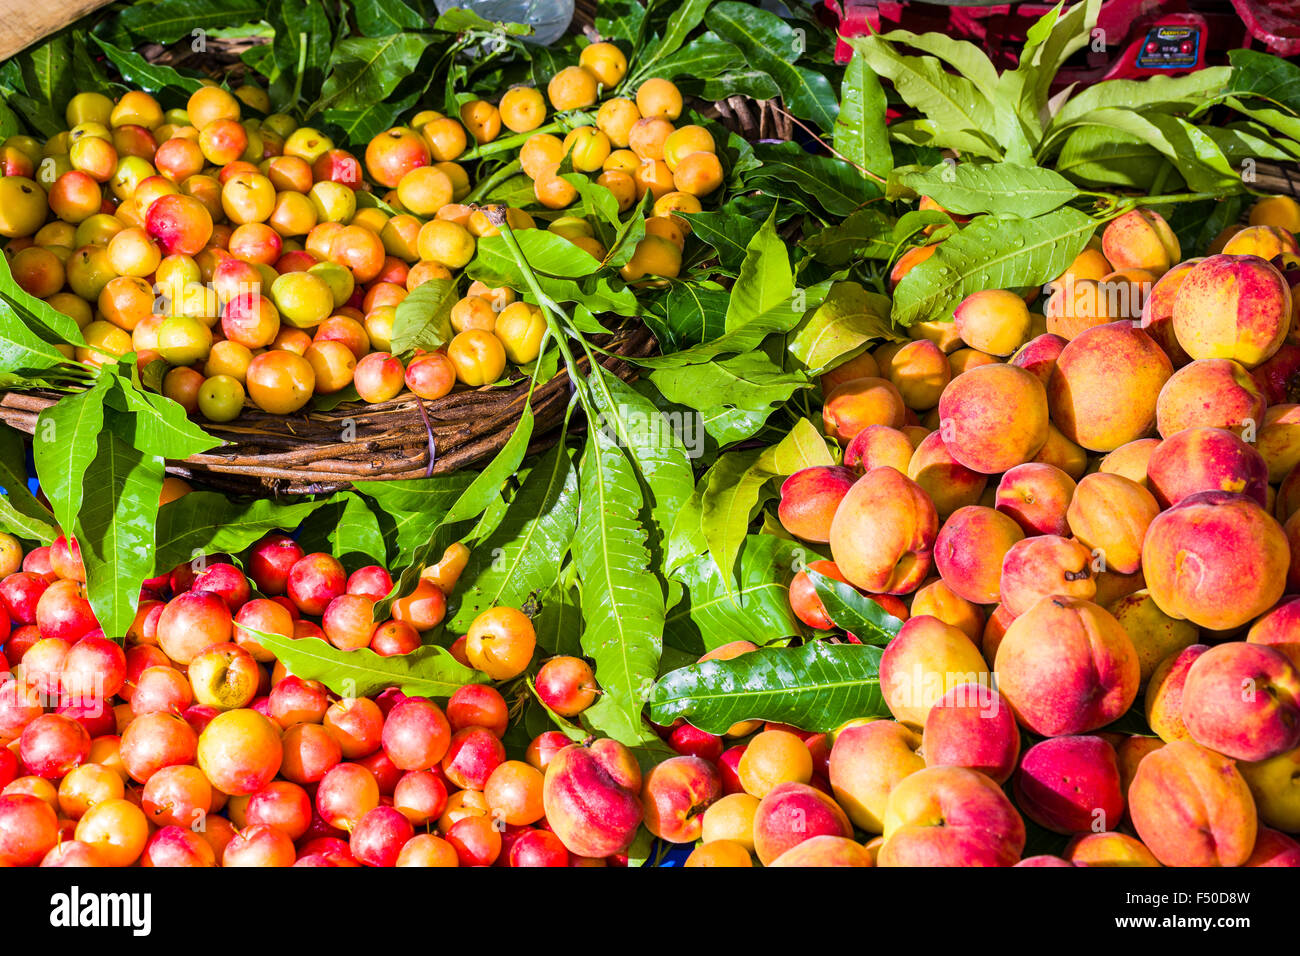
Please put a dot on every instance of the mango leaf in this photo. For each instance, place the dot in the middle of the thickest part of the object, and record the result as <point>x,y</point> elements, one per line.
<point>47,78</point>
<point>750,381</point>
<point>1105,156</point>
<point>704,58</point>
<point>525,551</point>
<point>429,671</point>
<point>761,610</point>
<point>622,600</point>
<point>849,318</point>
<point>169,20</point>
<point>423,318</point>
<point>771,45</point>
<point>728,232</point>
<point>1165,92</point>
<point>559,264</point>
<point>956,114</point>
<point>866,232</point>
<point>734,486</point>
<point>205,522</point>
<point>472,502</point>
<point>115,527</point>
<point>999,189</point>
<point>559,622</point>
<point>138,72</point>
<point>860,133</point>
<point>1267,77</point>
<point>1052,40</point>
<point>684,19</point>
<point>22,351</point>
<point>380,18</point>
<point>991,253</point>
<point>365,70</point>
<point>412,507</point>
<point>832,183</point>
<point>816,687</point>
<point>689,313</point>
<point>357,533</point>
<point>157,425</point>
<point>854,612</point>
<point>65,443</point>
<point>303,45</point>
<point>23,525</point>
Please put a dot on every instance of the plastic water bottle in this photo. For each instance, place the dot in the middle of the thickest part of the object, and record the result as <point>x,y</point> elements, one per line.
<point>548,18</point>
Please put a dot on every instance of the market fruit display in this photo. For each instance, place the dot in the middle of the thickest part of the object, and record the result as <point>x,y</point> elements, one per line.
<point>953,521</point>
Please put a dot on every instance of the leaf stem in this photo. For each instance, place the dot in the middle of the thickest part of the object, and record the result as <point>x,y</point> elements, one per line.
<point>487,185</point>
<point>827,146</point>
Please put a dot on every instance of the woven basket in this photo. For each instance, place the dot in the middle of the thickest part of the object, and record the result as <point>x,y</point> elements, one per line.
<point>321,451</point>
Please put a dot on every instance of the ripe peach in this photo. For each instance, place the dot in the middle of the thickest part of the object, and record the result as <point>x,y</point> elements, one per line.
<point>938,600</point>
<point>1109,849</point>
<point>1085,402</point>
<point>972,726</point>
<point>591,797</point>
<point>1070,785</point>
<point>1141,239</point>
<point>1155,635</point>
<point>1216,559</point>
<point>791,813</point>
<point>676,794</point>
<point>969,552</point>
<point>949,484</point>
<point>867,761</point>
<point>950,816</point>
<point>1039,356</point>
<point>924,662</point>
<point>809,499</point>
<point>1191,807</point>
<point>1214,393</point>
<point>1280,629</point>
<point>1045,565</point>
<point>858,403</point>
<point>1232,307</point>
<point>1266,242</point>
<point>878,445</point>
<point>1036,497</point>
<point>993,321</point>
<point>1110,514</point>
<point>771,758</point>
<point>1273,849</point>
<point>1066,666</point>
<point>883,531</point>
<point>394,153</point>
<point>1206,459</point>
<point>1240,700</point>
<point>994,417</point>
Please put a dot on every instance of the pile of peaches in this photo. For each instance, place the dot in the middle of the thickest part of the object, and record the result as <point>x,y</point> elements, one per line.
<point>188,744</point>
<point>254,259</point>
<point>1076,514</point>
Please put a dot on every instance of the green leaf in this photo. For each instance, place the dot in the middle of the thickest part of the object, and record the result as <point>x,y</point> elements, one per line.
<point>155,77</point>
<point>622,600</point>
<point>477,496</point>
<point>559,264</point>
<point>525,552</point>
<point>205,522</point>
<point>704,58</point>
<point>158,425</point>
<point>734,486</point>
<point>835,185</point>
<point>690,313</point>
<point>169,20</point>
<point>364,70</point>
<point>1052,40</point>
<point>956,114</point>
<point>765,281</point>
<point>1105,156</point>
<point>65,443</point>
<point>429,671</point>
<point>1160,92</point>
<point>816,687</point>
<point>22,351</point>
<point>115,528</point>
<point>1265,76</point>
<point>860,133</point>
<point>358,532</point>
<point>423,319</point>
<point>849,318</point>
<point>729,233</point>
<point>23,525</point>
<point>1000,189</point>
<point>684,19</point>
<point>751,380</point>
<point>303,45</point>
<point>760,611</point>
<point>47,77</point>
<point>854,612</point>
<point>866,233</point>
<point>414,507</point>
<point>771,45</point>
<point>991,253</point>
<point>381,18</point>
